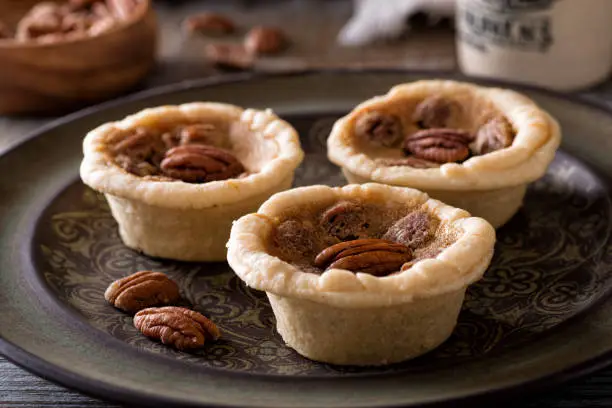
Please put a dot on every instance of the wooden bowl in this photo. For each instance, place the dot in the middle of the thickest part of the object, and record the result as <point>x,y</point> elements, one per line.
<point>57,77</point>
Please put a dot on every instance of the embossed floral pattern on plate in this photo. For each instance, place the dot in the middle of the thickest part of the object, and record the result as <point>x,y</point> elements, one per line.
<point>552,261</point>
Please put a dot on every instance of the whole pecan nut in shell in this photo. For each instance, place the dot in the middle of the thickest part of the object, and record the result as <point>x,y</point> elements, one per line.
<point>379,128</point>
<point>439,145</point>
<point>377,257</point>
<point>141,290</point>
<point>195,163</point>
<point>181,328</point>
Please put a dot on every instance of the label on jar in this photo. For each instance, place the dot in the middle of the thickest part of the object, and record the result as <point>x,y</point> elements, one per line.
<point>518,24</point>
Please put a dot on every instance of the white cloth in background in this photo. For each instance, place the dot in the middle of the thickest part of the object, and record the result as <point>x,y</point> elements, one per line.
<point>386,19</point>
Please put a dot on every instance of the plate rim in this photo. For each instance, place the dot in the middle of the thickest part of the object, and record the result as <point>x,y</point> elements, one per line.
<point>58,375</point>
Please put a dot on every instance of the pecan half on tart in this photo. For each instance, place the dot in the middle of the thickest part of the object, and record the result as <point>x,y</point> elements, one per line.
<point>176,177</point>
<point>471,147</point>
<point>363,274</point>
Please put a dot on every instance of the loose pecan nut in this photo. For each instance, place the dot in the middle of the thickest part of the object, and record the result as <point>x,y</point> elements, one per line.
<point>141,290</point>
<point>439,145</point>
<point>494,135</point>
<point>122,9</point>
<point>377,257</point>
<point>181,328</point>
<point>264,40</point>
<point>43,19</point>
<point>413,230</point>
<point>195,163</point>
<point>209,23</point>
<point>345,220</point>
<point>437,112</point>
<point>229,56</point>
<point>410,161</point>
<point>379,128</point>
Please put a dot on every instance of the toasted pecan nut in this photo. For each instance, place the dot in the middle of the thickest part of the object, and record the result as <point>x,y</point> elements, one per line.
<point>209,23</point>
<point>413,230</point>
<point>229,56</point>
<point>496,134</point>
<point>181,328</point>
<point>345,220</point>
<point>122,9</point>
<point>377,257</point>
<point>410,161</point>
<point>437,112</point>
<point>439,145</point>
<point>201,133</point>
<point>141,290</point>
<point>264,40</point>
<point>379,128</point>
<point>194,163</point>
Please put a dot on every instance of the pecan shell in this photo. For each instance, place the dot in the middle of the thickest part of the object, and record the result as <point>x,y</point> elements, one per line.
<point>194,163</point>
<point>439,145</point>
<point>379,128</point>
<point>496,134</point>
<point>141,290</point>
<point>377,257</point>
<point>181,328</point>
<point>437,112</point>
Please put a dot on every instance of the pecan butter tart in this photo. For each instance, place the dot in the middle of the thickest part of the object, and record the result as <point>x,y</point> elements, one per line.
<point>176,177</point>
<point>472,147</point>
<point>363,274</point>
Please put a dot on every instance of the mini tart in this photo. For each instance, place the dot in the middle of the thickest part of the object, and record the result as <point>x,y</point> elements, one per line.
<point>169,218</point>
<point>490,185</point>
<point>353,318</point>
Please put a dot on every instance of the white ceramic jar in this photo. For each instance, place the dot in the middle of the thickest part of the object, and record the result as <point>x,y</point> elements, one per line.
<point>559,44</point>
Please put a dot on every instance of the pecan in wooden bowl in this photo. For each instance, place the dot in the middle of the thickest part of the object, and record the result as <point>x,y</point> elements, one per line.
<point>59,56</point>
<point>176,177</point>
<point>363,274</point>
<point>472,147</point>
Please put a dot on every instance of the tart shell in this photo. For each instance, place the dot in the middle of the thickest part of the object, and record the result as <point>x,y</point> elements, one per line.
<point>184,221</point>
<point>343,317</point>
<point>500,176</point>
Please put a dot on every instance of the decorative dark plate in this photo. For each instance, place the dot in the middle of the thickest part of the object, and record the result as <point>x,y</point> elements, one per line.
<point>539,316</point>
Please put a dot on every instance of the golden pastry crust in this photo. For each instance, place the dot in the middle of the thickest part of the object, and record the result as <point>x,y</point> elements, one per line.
<point>537,138</point>
<point>458,265</point>
<point>185,221</point>
<point>275,136</point>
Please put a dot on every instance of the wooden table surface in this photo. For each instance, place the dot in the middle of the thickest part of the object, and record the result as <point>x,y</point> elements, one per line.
<point>312,24</point>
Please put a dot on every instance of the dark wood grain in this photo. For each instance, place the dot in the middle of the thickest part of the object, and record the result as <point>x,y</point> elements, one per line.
<point>181,58</point>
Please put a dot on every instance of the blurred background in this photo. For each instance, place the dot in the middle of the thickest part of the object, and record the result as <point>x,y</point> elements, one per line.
<point>57,57</point>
